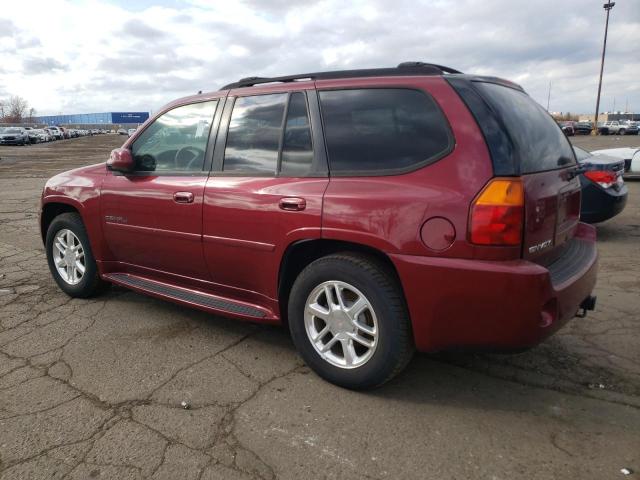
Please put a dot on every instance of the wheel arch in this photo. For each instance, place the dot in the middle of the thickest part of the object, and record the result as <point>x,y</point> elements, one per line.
<point>51,210</point>
<point>301,253</point>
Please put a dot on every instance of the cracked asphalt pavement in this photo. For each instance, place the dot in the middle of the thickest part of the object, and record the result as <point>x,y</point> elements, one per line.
<point>93,389</point>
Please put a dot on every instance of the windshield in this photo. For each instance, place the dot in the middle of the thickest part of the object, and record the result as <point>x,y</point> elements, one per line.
<point>13,130</point>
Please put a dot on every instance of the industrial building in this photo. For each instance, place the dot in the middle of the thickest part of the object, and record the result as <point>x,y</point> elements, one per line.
<point>610,116</point>
<point>95,120</point>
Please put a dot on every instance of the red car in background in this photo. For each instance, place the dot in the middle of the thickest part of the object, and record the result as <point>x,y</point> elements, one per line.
<point>372,211</point>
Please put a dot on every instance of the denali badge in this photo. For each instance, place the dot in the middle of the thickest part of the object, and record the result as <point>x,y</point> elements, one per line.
<point>540,246</point>
<point>115,219</point>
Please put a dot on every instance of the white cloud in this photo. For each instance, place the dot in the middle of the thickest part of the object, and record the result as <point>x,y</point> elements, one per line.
<point>96,55</point>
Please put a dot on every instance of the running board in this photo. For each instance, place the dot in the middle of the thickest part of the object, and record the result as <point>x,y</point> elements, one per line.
<point>183,295</point>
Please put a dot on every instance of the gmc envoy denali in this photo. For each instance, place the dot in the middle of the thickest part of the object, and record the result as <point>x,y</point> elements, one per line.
<point>374,212</point>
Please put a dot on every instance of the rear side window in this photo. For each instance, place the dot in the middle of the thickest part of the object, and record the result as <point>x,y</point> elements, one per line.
<point>380,131</point>
<point>538,143</point>
<point>254,134</point>
<point>297,151</point>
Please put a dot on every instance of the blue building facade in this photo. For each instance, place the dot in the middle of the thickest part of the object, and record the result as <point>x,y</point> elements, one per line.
<point>106,118</point>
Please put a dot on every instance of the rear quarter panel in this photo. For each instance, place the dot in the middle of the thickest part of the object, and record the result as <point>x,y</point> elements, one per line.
<point>387,212</point>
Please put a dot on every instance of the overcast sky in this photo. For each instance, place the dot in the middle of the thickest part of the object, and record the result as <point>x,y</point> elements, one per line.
<point>93,56</point>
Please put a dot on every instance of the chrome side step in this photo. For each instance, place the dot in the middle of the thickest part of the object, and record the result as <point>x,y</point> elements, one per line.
<point>185,295</point>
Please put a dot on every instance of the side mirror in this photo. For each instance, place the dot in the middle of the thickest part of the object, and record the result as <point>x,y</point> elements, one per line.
<point>120,160</point>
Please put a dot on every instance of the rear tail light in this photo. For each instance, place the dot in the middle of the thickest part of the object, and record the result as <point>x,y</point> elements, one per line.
<point>497,213</point>
<point>602,178</point>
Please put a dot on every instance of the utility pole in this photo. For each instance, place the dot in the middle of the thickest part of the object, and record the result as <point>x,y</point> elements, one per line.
<point>549,96</point>
<point>607,6</point>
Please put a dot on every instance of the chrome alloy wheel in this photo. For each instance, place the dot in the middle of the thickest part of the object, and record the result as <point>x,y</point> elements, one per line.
<point>341,324</point>
<point>68,256</point>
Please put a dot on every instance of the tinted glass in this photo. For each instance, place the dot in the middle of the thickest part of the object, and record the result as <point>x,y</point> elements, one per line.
<point>254,134</point>
<point>538,141</point>
<point>378,130</point>
<point>297,152</point>
<point>177,140</point>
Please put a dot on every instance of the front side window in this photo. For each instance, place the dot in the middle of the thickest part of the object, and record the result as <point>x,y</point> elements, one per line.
<point>382,130</point>
<point>175,141</point>
<point>253,139</point>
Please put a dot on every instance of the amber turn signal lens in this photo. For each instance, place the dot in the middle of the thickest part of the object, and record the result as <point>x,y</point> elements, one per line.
<point>497,214</point>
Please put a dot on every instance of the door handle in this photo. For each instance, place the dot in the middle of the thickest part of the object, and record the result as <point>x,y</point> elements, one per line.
<point>294,204</point>
<point>183,197</point>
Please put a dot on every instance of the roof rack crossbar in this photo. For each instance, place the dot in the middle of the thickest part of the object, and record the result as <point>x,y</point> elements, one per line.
<point>405,69</point>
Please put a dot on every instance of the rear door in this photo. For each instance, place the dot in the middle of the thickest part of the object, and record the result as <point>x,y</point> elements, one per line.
<point>527,142</point>
<point>266,188</point>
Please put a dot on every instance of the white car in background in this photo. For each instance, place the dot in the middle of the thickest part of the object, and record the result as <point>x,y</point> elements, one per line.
<point>56,132</point>
<point>630,155</point>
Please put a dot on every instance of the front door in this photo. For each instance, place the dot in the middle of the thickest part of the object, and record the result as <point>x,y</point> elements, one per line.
<point>152,217</point>
<point>264,193</point>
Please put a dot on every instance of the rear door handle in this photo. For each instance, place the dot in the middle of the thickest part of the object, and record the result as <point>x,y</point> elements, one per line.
<point>183,197</point>
<point>294,204</point>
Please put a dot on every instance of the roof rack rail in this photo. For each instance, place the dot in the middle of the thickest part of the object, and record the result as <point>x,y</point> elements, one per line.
<point>405,68</point>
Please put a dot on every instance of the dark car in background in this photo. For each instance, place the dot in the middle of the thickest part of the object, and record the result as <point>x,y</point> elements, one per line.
<point>604,194</point>
<point>631,128</point>
<point>583,128</point>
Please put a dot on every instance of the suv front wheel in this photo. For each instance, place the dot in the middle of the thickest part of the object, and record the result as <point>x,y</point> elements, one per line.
<point>349,321</point>
<point>70,258</point>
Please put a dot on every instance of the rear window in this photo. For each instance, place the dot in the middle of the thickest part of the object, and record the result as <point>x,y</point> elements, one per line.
<point>381,131</point>
<point>538,142</point>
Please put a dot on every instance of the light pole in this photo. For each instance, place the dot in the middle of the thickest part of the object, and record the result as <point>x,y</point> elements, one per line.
<point>607,6</point>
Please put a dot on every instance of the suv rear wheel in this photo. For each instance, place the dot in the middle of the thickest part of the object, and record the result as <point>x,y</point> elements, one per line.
<point>70,258</point>
<point>349,321</point>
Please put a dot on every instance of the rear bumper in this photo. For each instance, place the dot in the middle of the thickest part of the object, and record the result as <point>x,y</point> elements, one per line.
<point>599,204</point>
<point>491,304</point>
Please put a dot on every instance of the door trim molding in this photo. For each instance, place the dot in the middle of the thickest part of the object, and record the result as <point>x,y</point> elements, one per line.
<point>237,242</point>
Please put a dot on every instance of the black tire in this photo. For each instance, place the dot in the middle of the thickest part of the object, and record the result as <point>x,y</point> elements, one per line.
<point>90,284</point>
<point>375,280</point>
<point>622,131</point>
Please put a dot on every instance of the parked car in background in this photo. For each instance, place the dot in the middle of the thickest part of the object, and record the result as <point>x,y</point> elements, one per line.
<point>38,135</point>
<point>612,128</point>
<point>583,128</point>
<point>122,131</point>
<point>567,128</point>
<point>360,228</point>
<point>631,157</point>
<point>131,131</point>
<point>630,128</point>
<point>14,136</point>
<point>604,194</point>
<point>33,135</point>
<point>57,132</point>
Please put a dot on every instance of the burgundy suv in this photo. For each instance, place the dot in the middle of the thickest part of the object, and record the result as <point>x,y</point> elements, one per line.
<point>372,211</point>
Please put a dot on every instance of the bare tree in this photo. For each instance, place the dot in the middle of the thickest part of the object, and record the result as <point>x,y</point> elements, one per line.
<point>2,103</point>
<point>32,112</point>
<point>17,108</point>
